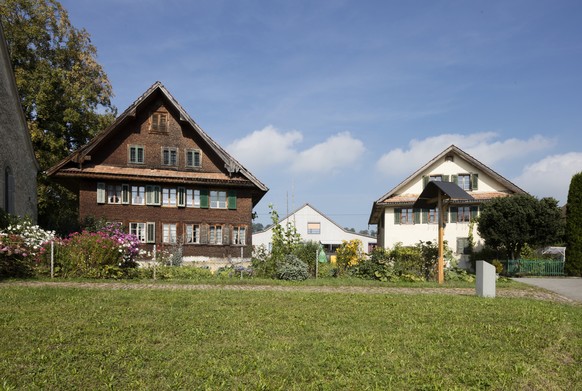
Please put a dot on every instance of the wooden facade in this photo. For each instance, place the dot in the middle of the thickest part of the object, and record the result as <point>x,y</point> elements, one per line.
<point>160,175</point>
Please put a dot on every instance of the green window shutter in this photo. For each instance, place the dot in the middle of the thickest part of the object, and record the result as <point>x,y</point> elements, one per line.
<point>150,232</point>
<point>204,202</point>
<point>474,181</point>
<point>397,215</point>
<point>416,213</point>
<point>446,178</point>
<point>181,196</point>
<point>425,180</point>
<point>149,195</point>
<point>425,216</point>
<point>454,212</point>
<point>232,199</point>
<point>157,195</point>
<point>474,211</point>
<point>100,192</point>
<point>125,194</point>
<point>455,179</point>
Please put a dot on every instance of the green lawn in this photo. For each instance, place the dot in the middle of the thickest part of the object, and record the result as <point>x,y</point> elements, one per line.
<point>71,338</point>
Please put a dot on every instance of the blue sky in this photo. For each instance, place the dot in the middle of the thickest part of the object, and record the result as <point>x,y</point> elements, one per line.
<point>335,102</point>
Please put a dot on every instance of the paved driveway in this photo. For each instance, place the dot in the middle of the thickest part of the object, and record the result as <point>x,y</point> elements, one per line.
<point>570,287</point>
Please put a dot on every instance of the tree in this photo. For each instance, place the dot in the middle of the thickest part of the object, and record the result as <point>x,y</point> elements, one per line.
<point>573,264</point>
<point>258,227</point>
<point>285,241</point>
<point>65,94</point>
<point>511,222</point>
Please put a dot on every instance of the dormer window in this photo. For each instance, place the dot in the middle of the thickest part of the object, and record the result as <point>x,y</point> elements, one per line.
<point>159,122</point>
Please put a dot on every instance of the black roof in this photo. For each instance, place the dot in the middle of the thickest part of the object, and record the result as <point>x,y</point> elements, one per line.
<point>428,197</point>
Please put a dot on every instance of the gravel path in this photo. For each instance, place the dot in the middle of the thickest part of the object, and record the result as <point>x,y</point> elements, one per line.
<point>531,293</point>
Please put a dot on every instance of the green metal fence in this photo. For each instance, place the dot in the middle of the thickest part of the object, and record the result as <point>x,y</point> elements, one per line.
<point>533,267</point>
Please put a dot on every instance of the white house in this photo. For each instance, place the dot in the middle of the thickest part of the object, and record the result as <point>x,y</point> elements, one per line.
<point>313,225</point>
<point>397,221</point>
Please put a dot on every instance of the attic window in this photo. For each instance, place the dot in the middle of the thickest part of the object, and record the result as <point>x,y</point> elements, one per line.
<point>449,158</point>
<point>159,122</point>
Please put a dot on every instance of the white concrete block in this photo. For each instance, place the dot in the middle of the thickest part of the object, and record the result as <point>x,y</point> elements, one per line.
<point>486,279</point>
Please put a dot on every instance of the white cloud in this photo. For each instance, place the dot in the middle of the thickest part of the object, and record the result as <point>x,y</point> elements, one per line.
<point>482,146</point>
<point>338,151</point>
<point>551,176</point>
<point>265,147</point>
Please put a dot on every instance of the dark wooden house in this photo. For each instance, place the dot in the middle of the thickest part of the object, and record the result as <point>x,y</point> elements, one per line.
<point>155,171</point>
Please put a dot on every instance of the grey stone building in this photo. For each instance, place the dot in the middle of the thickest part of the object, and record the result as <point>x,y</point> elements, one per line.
<point>18,165</point>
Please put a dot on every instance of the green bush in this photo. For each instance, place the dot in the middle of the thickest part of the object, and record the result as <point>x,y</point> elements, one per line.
<point>377,266</point>
<point>292,269</point>
<point>306,252</point>
<point>326,270</point>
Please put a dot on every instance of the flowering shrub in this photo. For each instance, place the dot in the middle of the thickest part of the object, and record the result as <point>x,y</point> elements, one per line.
<point>20,246</point>
<point>107,253</point>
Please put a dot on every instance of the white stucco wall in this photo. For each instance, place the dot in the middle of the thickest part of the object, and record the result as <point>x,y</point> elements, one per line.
<point>330,233</point>
<point>390,233</point>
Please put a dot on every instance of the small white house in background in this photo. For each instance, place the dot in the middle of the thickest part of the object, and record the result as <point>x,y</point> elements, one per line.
<point>397,221</point>
<point>314,226</point>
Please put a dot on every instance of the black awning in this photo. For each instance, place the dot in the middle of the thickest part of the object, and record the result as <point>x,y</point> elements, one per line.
<point>429,196</point>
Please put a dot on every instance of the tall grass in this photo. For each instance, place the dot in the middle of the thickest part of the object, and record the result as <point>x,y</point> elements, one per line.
<point>67,338</point>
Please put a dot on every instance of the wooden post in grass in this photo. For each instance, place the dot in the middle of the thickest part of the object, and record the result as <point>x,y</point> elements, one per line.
<point>52,259</point>
<point>441,261</point>
<point>439,195</point>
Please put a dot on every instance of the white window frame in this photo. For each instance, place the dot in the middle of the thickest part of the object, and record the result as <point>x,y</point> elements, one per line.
<point>463,214</point>
<point>406,216</point>
<point>313,228</point>
<point>218,199</point>
<point>239,235</point>
<point>192,198</point>
<point>169,197</point>
<point>192,234</point>
<point>137,195</point>
<point>432,216</point>
<point>139,230</point>
<point>215,234</point>
<point>464,181</point>
<point>114,194</point>
<point>169,233</point>
<point>153,195</point>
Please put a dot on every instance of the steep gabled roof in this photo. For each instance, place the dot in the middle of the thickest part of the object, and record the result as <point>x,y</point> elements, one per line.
<point>394,196</point>
<point>230,163</point>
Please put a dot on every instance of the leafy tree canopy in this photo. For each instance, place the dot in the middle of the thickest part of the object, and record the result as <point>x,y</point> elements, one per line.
<point>511,222</point>
<point>65,93</point>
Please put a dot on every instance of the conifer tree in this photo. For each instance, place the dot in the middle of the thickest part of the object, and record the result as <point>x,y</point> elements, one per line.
<point>573,264</point>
